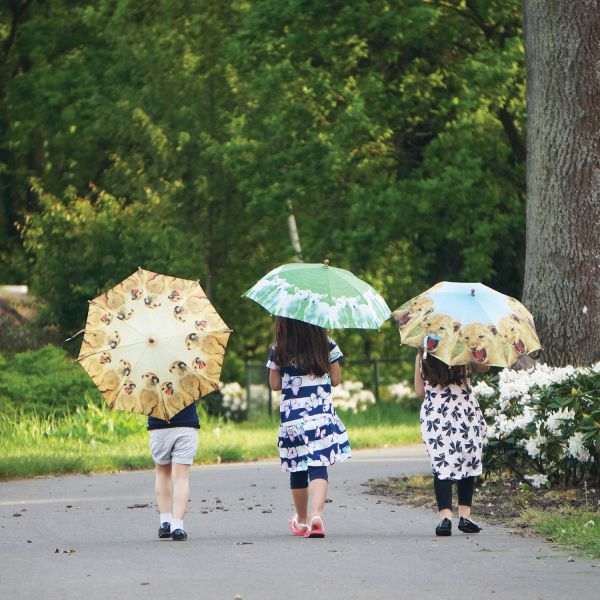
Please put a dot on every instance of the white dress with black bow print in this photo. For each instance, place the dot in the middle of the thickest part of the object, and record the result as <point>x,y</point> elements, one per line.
<point>453,429</point>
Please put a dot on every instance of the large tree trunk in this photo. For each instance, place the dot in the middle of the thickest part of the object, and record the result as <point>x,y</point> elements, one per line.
<point>562,268</point>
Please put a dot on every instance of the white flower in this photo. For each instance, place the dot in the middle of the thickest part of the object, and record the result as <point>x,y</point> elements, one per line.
<point>532,445</point>
<point>400,391</point>
<point>555,420</point>
<point>537,480</point>
<point>576,449</point>
<point>217,432</point>
<point>483,389</point>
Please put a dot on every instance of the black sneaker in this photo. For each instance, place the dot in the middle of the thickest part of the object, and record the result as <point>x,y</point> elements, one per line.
<point>164,531</point>
<point>467,526</point>
<point>178,535</point>
<point>444,527</point>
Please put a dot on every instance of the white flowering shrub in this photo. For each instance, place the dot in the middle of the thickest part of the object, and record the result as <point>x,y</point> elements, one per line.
<point>351,396</point>
<point>234,401</point>
<point>403,394</point>
<point>543,423</point>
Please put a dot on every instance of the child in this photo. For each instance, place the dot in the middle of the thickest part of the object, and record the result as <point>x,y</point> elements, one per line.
<point>304,363</point>
<point>174,445</point>
<point>453,430</point>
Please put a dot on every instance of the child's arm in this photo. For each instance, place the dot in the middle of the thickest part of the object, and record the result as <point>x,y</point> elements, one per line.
<point>336,373</point>
<point>419,387</point>
<point>275,380</point>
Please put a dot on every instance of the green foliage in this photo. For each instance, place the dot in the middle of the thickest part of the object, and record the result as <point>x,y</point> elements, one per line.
<point>544,425</point>
<point>44,381</point>
<point>94,439</point>
<point>172,135</point>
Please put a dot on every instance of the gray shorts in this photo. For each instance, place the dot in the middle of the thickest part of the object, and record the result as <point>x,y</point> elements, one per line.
<point>174,444</point>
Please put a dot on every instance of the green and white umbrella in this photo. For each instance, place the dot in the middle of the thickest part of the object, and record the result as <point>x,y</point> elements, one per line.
<point>316,293</point>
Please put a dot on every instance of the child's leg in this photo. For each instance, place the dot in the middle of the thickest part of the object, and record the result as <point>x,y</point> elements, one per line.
<point>443,495</point>
<point>465,496</point>
<point>318,489</point>
<point>299,487</point>
<point>181,490</point>
<point>164,489</point>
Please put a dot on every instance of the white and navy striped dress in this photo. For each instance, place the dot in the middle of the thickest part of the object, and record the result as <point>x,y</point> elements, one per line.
<point>311,434</point>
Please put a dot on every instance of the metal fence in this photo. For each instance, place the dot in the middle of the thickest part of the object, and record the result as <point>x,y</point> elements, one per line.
<point>373,372</point>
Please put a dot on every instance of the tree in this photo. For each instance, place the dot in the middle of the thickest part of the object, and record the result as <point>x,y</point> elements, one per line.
<point>562,271</point>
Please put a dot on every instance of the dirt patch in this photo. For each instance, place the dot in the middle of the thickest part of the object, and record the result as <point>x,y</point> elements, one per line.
<point>502,500</point>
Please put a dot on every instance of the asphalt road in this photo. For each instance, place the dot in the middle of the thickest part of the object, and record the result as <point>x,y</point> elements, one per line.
<point>94,537</point>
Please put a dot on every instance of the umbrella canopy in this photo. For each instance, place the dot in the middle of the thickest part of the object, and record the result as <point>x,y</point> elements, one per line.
<point>316,293</point>
<point>462,323</point>
<point>153,344</point>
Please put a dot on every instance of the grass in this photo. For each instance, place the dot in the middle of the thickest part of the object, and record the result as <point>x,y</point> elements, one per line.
<point>568,517</point>
<point>93,439</point>
<point>577,529</point>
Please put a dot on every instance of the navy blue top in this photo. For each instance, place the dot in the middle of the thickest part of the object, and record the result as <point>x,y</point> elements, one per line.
<point>188,417</point>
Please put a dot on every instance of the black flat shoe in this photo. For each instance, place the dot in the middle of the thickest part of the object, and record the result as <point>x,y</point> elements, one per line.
<point>164,531</point>
<point>444,527</point>
<point>467,526</point>
<point>178,535</point>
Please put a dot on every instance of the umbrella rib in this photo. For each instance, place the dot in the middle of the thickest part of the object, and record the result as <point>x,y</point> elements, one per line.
<point>108,349</point>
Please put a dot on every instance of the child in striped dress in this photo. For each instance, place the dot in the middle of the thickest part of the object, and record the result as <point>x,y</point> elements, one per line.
<point>304,363</point>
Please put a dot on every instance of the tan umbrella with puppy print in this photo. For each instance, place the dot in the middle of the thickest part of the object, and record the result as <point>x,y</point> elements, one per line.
<point>468,323</point>
<point>153,344</point>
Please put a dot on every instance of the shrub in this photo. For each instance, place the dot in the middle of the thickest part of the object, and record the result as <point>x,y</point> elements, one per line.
<point>351,396</point>
<point>401,393</point>
<point>45,381</point>
<point>543,423</point>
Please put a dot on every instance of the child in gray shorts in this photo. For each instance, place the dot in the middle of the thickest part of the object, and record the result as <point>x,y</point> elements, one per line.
<point>174,445</point>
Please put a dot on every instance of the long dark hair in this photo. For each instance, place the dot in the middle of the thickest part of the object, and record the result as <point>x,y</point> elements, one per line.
<point>301,345</point>
<point>435,372</point>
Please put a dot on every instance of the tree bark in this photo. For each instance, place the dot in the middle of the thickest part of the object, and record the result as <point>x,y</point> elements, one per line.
<point>562,266</point>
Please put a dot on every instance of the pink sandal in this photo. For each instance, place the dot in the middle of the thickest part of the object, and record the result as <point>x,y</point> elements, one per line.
<point>298,529</point>
<point>317,529</point>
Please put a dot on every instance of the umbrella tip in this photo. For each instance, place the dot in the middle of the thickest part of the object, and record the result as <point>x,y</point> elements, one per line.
<point>326,263</point>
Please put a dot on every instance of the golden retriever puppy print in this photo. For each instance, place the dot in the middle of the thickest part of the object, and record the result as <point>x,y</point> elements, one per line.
<point>188,381</point>
<point>96,364</point>
<point>113,340</point>
<point>93,341</point>
<point>175,399</point>
<point>152,302</point>
<point>116,303</point>
<point>481,344</point>
<point>409,315</point>
<point>97,317</point>
<point>190,306</point>
<point>156,284</point>
<point>208,345</point>
<point>110,380</point>
<point>122,398</point>
<point>180,288</point>
<point>149,394</point>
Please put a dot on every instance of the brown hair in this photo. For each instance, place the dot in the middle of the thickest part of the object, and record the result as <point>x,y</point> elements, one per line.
<point>435,372</point>
<point>301,345</point>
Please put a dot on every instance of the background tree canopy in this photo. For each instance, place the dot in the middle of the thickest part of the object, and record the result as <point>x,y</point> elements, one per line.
<point>173,135</point>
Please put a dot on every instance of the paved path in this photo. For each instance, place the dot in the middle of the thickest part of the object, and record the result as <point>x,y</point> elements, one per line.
<point>239,544</point>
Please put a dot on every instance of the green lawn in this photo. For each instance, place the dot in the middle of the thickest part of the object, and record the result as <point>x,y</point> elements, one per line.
<point>93,440</point>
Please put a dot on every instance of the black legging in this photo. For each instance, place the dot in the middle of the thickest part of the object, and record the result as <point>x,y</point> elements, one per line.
<point>443,491</point>
<point>299,479</point>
